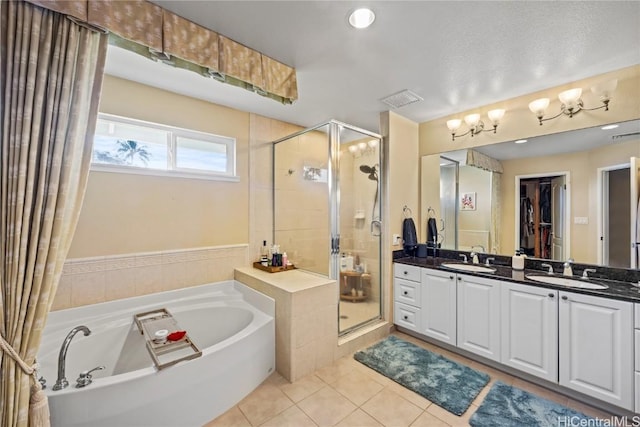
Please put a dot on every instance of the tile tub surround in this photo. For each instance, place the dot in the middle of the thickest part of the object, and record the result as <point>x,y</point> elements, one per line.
<point>306,320</point>
<point>94,280</point>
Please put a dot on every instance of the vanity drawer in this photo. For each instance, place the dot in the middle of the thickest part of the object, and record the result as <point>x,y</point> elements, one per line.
<point>408,272</point>
<point>407,316</point>
<point>407,292</point>
<point>637,316</point>
<point>637,340</point>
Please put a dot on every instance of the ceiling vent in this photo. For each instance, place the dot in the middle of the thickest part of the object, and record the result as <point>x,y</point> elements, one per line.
<point>402,98</point>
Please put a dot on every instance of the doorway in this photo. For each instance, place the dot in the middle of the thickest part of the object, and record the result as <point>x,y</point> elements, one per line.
<point>614,216</point>
<point>542,215</point>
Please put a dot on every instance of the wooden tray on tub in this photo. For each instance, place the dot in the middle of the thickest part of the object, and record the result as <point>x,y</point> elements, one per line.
<point>170,352</point>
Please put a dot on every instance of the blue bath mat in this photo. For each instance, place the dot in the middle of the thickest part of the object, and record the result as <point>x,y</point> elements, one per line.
<point>508,406</point>
<point>444,382</point>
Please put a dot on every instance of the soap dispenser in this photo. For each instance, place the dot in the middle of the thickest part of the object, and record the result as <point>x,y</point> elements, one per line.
<point>517,261</point>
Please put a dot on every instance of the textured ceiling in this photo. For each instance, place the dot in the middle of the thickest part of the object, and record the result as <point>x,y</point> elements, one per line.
<point>456,55</point>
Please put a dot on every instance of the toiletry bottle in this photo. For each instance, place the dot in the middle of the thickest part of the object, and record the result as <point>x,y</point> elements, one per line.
<point>285,260</point>
<point>517,261</point>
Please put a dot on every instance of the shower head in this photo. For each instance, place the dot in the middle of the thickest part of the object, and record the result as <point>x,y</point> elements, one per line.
<point>371,170</point>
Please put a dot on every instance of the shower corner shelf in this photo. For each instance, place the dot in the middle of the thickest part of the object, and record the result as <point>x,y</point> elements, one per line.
<point>151,321</point>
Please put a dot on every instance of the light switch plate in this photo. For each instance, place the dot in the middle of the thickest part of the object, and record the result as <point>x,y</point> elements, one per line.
<point>580,220</point>
<point>396,240</point>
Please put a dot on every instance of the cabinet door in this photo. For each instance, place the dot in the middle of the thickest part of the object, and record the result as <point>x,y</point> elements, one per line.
<point>479,316</point>
<point>530,330</point>
<point>439,305</point>
<point>596,339</point>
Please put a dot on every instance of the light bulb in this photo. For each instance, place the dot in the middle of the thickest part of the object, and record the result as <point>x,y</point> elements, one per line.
<point>353,149</point>
<point>495,115</point>
<point>472,119</point>
<point>454,124</point>
<point>362,145</point>
<point>570,97</point>
<point>605,89</point>
<point>361,18</point>
<point>539,106</point>
<point>373,143</point>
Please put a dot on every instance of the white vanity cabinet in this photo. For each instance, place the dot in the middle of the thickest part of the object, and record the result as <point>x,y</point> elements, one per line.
<point>407,293</point>
<point>530,329</point>
<point>439,305</point>
<point>596,347</point>
<point>478,320</point>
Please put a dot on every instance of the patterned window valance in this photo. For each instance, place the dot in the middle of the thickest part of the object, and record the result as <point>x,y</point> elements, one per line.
<point>148,29</point>
<point>482,161</point>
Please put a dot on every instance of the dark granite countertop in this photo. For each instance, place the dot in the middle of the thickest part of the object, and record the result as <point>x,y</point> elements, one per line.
<point>618,290</point>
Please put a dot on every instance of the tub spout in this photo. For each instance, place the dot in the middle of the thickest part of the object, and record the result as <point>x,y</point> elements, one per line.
<point>62,382</point>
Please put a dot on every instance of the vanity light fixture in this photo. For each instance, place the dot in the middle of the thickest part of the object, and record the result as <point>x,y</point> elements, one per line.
<point>362,147</point>
<point>520,141</point>
<point>361,18</point>
<point>474,123</point>
<point>571,101</point>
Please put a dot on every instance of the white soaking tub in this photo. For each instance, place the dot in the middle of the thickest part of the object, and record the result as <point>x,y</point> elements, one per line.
<point>232,324</point>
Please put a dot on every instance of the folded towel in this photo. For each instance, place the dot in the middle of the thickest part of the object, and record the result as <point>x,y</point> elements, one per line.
<point>432,232</point>
<point>409,235</point>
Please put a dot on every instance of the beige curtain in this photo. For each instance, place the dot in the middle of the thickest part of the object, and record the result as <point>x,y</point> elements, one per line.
<point>496,209</point>
<point>50,77</point>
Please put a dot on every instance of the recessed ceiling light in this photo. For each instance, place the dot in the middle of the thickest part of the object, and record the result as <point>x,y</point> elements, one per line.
<point>609,127</point>
<point>361,18</point>
<point>520,141</point>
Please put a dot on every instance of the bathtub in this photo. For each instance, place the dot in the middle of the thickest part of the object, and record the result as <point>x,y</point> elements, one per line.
<point>232,324</point>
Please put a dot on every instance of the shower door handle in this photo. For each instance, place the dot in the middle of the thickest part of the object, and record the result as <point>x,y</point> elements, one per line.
<point>376,224</point>
<point>335,245</point>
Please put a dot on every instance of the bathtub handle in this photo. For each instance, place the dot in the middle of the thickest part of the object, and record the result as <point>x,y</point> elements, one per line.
<point>85,377</point>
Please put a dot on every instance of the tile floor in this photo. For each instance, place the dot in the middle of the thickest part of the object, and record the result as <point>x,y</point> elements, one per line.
<point>348,394</point>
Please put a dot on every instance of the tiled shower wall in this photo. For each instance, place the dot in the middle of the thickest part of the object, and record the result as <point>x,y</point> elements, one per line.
<point>94,280</point>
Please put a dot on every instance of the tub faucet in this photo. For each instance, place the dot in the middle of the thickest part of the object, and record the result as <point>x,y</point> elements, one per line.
<point>62,382</point>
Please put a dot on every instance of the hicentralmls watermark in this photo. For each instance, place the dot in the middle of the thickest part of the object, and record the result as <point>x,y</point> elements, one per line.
<point>599,422</point>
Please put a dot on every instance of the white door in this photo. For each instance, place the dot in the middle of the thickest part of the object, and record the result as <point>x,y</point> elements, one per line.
<point>558,200</point>
<point>596,347</point>
<point>439,305</point>
<point>530,330</point>
<point>635,212</point>
<point>479,316</point>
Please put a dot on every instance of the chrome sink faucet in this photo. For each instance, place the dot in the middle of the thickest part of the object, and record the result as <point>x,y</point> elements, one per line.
<point>464,257</point>
<point>62,382</point>
<point>586,271</point>
<point>549,266</point>
<point>568,271</point>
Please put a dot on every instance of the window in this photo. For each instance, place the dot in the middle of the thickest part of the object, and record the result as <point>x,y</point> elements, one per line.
<point>127,145</point>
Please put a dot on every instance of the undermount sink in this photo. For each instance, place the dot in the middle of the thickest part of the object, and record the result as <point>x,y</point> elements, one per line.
<point>472,268</point>
<point>564,281</point>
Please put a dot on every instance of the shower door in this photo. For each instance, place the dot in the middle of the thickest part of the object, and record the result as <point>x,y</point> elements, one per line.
<point>359,227</point>
<point>327,212</point>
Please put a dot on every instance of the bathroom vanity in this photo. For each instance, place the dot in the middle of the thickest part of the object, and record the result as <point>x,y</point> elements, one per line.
<point>578,338</point>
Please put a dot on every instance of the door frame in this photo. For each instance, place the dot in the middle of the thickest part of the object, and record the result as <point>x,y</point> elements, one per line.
<point>603,203</point>
<point>567,214</point>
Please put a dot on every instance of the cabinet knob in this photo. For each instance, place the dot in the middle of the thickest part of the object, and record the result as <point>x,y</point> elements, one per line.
<point>459,278</point>
<point>565,297</point>
<point>551,295</point>
<point>405,293</point>
<point>406,317</point>
<point>451,277</point>
<point>405,273</point>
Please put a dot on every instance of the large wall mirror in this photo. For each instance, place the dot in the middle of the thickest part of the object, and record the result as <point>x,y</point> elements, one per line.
<point>565,195</point>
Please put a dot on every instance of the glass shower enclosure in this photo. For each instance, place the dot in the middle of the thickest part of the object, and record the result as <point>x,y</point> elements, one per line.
<point>327,212</point>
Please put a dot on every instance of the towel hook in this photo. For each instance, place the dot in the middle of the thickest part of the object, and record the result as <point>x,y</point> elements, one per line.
<point>431,213</point>
<point>406,209</point>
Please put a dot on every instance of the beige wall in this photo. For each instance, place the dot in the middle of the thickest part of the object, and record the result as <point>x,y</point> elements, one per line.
<point>125,213</point>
